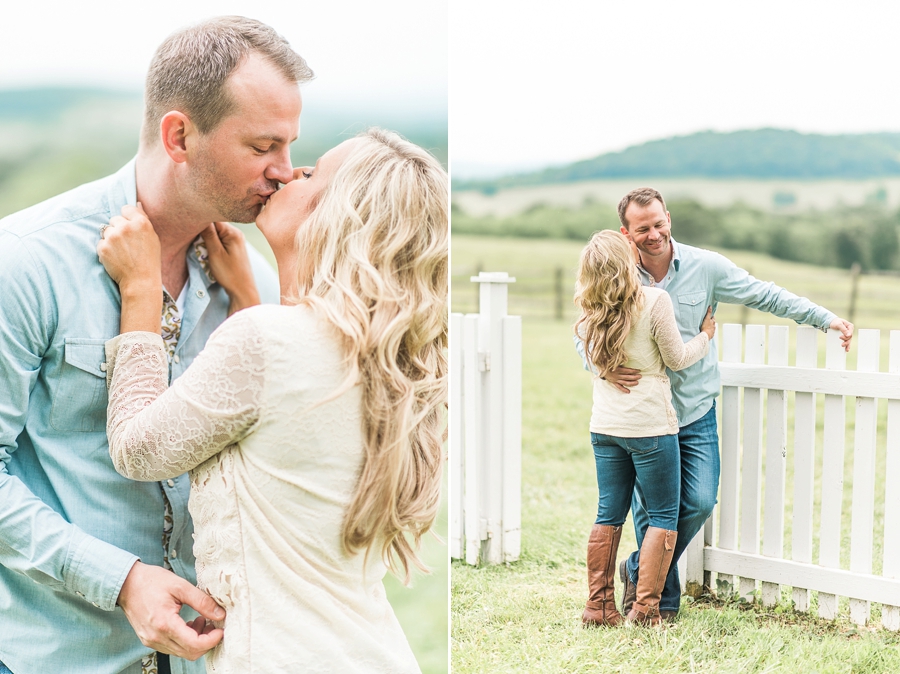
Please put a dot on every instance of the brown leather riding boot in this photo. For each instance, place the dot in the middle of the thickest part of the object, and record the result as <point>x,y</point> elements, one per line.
<point>601,564</point>
<point>653,566</point>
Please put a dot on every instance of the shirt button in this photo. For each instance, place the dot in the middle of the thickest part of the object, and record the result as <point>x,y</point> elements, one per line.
<point>80,594</point>
<point>176,358</point>
<point>95,604</point>
<point>201,293</point>
<point>171,483</point>
<point>103,367</point>
<point>174,554</point>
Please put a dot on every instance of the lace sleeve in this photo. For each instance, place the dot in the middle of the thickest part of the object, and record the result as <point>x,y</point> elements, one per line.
<point>675,353</point>
<point>156,432</point>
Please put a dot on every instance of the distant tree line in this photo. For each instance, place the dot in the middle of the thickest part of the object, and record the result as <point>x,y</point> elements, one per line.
<point>757,153</point>
<point>839,237</point>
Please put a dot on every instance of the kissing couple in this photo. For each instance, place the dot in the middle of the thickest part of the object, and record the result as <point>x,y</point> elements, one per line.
<point>198,456</point>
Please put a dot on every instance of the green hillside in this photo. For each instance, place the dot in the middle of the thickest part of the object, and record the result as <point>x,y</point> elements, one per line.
<point>759,153</point>
<point>52,139</point>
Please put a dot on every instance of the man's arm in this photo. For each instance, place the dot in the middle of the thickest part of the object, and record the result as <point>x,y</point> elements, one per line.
<point>35,540</point>
<point>736,286</point>
<point>621,377</point>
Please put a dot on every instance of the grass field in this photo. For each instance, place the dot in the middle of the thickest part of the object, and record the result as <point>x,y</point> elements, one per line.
<point>525,617</point>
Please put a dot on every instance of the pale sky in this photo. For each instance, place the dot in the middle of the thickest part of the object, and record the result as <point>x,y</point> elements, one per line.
<point>535,83</point>
<point>390,53</point>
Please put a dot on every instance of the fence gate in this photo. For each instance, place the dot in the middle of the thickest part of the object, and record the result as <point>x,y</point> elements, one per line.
<point>486,427</point>
<point>751,530</point>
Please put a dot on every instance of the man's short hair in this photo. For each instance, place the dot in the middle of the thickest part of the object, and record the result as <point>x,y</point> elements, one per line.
<point>191,67</point>
<point>642,196</point>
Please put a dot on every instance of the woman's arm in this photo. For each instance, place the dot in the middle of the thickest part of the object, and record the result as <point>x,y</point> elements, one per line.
<point>129,250</point>
<point>230,264</point>
<point>675,353</point>
<point>157,432</point>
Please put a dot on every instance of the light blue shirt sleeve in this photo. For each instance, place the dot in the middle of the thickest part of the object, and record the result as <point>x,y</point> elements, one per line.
<point>736,286</point>
<point>35,540</point>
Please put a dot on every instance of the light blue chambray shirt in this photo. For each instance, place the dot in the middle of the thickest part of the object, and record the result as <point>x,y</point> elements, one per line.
<point>698,279</point>
<point>70,526</point>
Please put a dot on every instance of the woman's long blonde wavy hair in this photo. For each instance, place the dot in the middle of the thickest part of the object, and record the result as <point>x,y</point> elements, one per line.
<point>608,293</point>
<point>373,259</point>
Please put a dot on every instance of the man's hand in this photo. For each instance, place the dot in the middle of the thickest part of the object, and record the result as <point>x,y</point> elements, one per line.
<point>623,377</point>
<point>846,330</point>
<point>230,264</point>
<point>152,597</point>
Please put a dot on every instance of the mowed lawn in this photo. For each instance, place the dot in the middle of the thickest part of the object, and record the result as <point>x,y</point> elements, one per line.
<point>525,617</point>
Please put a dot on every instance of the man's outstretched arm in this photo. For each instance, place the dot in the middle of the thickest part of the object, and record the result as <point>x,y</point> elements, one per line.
<point>736,286</point>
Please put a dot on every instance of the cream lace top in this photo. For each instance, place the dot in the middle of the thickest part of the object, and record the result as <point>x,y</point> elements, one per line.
<point>653,344</point>
<point>272,473</point>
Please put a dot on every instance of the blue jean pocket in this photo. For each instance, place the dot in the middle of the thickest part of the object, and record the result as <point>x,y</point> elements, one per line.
<point>641,445</point>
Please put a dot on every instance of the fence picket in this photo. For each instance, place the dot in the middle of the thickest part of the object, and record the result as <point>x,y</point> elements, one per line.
<point>455,431</point>
<point>751,468</point>
<point>472,460</point>
<point>776,460</point>
<point>511,328</point>
<point>732,336</point>
<point>832,475</point>
<point>863,509</point>
<point>890,615</point>
<point>804,463</point>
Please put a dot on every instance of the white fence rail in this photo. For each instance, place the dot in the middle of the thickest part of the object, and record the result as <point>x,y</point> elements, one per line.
<point>486,427</point>
<point>749,549</point>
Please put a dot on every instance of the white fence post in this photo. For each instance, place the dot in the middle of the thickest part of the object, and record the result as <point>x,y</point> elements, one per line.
<point>804,463</point>
<point>832,476</point>
<point>751,469</point>
<point>890,615</point>
<point>455,431</point>
<point>487,486</point>
<point>776,462</point>
<point>732,337</point>
<point>863,510</point>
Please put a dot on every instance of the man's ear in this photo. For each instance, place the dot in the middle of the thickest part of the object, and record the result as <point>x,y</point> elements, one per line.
<point>176,129</point>
<point>624,231</point>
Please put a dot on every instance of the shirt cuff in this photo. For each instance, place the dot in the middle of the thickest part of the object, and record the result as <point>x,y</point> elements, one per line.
<point>96,570</point>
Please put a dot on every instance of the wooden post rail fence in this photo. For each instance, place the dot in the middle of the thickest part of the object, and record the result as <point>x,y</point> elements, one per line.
<point>486,427</point>
<point>749,546</point>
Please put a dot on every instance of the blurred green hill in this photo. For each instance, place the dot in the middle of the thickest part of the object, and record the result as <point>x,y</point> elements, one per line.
<point>759,153</point>
<point>53,139</point>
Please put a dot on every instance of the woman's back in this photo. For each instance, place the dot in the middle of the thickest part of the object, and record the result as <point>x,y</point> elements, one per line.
<point>652,343</point>
<point>268,513</point>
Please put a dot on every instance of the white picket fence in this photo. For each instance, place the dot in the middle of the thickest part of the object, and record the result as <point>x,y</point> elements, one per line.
<point>486,427</point>
<point>749,546</point>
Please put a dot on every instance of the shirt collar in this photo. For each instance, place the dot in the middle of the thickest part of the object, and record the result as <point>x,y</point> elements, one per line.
<point>123,192</point>
<point>675,262</point>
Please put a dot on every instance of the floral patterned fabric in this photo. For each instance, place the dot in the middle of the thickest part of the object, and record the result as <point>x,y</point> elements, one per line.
<point>170,325</point>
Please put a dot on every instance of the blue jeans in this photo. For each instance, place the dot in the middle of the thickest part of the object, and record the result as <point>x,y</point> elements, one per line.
<point>624,464</point>
<point>698,445</point>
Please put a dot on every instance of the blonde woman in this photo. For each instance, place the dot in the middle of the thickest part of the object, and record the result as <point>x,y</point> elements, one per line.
<point>635,436</point>
<point>312,430</point>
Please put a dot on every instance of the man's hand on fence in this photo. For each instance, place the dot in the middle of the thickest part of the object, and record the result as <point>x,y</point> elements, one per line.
<point>846,330</point>
<point>623,377</point>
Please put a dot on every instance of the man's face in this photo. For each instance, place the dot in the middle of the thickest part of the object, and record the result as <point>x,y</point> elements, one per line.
<point>240,163</point>
<point>649,229</point>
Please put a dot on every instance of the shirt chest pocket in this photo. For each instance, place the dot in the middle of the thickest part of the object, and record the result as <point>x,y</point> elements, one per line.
<point>689,311</point>
<point>79,400</point>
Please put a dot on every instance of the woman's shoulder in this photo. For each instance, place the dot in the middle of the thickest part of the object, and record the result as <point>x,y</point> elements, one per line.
<point>653,296</point>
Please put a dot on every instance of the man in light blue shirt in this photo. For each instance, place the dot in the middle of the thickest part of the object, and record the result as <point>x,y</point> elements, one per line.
<point>83,587</point>
<point>695,279</point>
